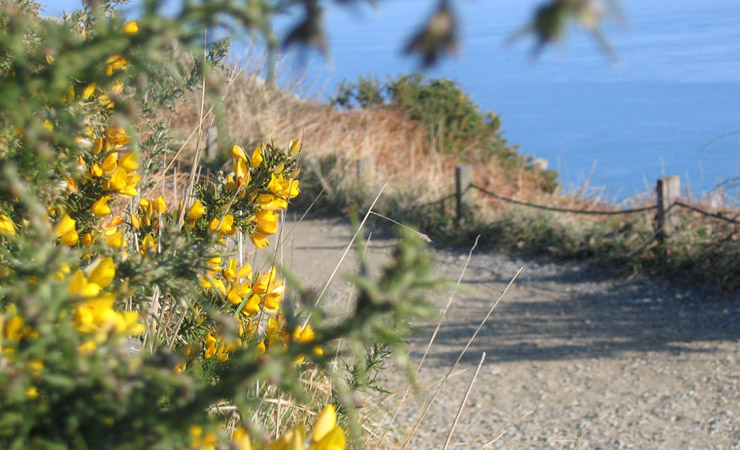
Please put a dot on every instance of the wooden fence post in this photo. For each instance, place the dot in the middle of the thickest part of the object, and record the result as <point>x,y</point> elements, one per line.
<point>668,190</point>
<point>463,192</point>
<point>212,145</point>
<point>364,168</point>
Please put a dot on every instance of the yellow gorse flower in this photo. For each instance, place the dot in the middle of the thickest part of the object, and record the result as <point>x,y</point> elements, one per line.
<point>114,238</point>
<point>106,101</point>
<point>238,153</point>
<point>271,289</point>
<point>240,440</point>
<point>326,435</point>
<point>110,163</point>
<point>128,162</point>
<point>88,91</point>
<point>100,208</point>
<point>113,63</point>
<point>266,225</point>
<point>71,185</point>
<point>295,147</point>
<point>283,188</point>
<point>96,171</point>
<point>196,211</point>
<point>292,440</point>
<point>123,182</point>
<point>149,245</point>
<point>115,137</point>
<point>240,167</point>
<point>305,335</point>
<point>225,226</point>
<point>96,315</point>
<point>239,283</point>
<point>32,392</point>
<point>215,346</point>
<point>6,225</point>
<point>87,239</point>
<point>130,28</point>
<point>13,328</point>
<point>256,157</point>
<point>100,275</point>
<point>159,205</point>
<point>180,367</point>
<point>65,231</point>
<point>232,272</point>
<point>271,202</point>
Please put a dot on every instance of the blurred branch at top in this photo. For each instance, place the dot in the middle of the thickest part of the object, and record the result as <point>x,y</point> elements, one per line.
<point>551,20</point>
<point>438,35</point>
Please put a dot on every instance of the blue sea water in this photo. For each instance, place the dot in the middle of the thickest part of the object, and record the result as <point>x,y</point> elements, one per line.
<point>620,126</point>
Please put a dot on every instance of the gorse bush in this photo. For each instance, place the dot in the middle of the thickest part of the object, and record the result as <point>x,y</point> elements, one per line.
<point>456,123</point>
<point>437,102</point>
<point>127,317</point>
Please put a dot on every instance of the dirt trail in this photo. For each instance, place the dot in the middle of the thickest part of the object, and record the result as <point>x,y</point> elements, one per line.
<point>575,358</point>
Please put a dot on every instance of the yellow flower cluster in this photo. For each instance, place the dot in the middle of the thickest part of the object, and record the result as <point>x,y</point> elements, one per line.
<point>12,330</point>
<point>119,174</point>
<point>235,284</point>
<point>147,221</point>
<point>95,316</point>
<point>108,173</point>
<point>256,299</point>
<point>200,440</point>
<point>279,190</point>
<point>326,434</point>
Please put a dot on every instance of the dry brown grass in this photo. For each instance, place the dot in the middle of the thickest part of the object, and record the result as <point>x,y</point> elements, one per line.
<point>401,150</point>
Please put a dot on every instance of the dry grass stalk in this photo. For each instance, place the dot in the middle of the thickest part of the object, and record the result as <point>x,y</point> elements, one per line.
<point>344,255</point>
<point>457,361</point>
<point>439,324</point>
<point>464,400</point>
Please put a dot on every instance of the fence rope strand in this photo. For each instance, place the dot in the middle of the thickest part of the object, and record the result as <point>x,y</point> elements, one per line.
<point>436,202</point>
<point>564,210</point>
<point>706,213</point>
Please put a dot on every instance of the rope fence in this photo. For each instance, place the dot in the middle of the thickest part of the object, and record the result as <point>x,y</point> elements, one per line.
<point>707,213</point>
<point>668,194</point>
<point>438,202</point>
<point>564,210</point>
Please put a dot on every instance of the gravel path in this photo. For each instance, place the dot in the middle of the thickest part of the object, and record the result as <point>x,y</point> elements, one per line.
<point>575,358</point>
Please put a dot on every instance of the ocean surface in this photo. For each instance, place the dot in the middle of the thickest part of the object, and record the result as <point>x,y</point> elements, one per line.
<point>669,105</point>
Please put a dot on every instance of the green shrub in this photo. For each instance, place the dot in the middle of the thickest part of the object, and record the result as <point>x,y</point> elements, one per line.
<point>456,122</point>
